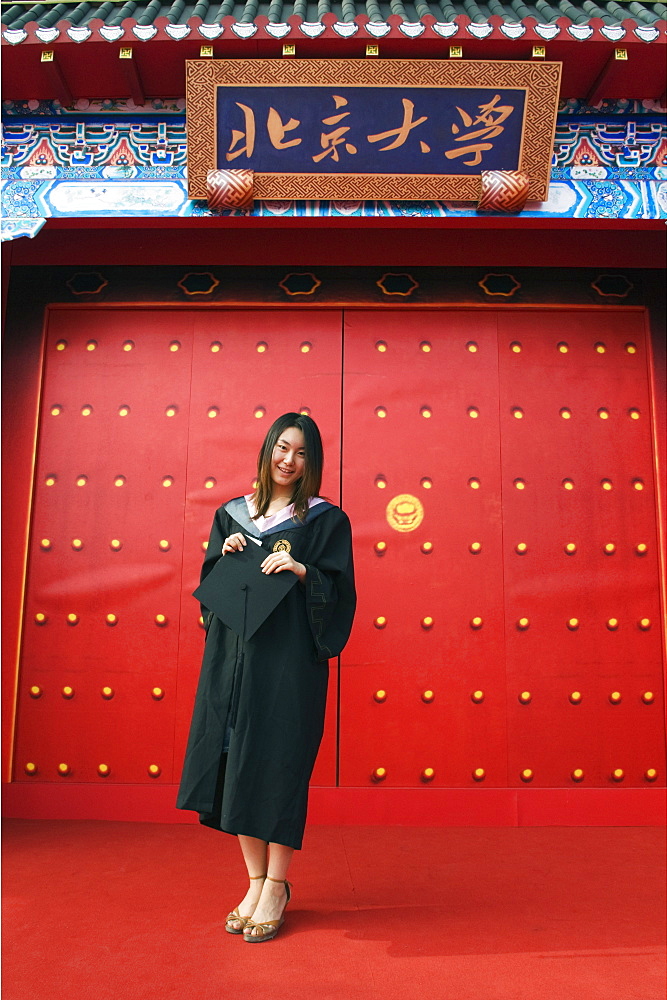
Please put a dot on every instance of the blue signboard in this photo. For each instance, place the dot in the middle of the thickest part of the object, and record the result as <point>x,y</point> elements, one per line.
<point>369,130</point>
<point>356,129</point>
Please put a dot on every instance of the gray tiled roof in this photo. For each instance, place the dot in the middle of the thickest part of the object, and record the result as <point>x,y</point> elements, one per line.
<point>16,16</point>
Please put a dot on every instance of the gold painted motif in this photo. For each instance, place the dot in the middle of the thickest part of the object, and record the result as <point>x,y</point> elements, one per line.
<point>282,545</point>
<point>405,512</point>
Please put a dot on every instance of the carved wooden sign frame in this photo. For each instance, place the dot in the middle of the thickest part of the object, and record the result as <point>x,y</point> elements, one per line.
<point>353,129</point>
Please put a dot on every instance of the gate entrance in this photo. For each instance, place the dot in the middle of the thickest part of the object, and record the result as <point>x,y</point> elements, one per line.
<point>497,468</point>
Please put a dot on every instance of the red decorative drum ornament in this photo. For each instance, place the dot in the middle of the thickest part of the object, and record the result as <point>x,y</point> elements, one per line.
<point>503,191</point>
<point>230,188</point>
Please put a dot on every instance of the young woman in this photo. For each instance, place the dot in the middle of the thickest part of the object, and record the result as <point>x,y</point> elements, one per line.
<point>259,710</point>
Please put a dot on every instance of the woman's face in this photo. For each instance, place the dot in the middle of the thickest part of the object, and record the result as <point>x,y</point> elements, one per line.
<point>288,460</point>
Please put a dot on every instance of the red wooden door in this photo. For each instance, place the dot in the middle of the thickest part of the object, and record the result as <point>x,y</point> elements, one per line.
<point>498,472</point>
<point>248,368</point>
<point>421,482</point>
<point>102,609</point>
<point>582,608</point>
<point>147,415</point>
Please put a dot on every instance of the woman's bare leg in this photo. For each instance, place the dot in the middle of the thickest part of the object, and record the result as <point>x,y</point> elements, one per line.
<point>255,857</point>
<point>273,897</point>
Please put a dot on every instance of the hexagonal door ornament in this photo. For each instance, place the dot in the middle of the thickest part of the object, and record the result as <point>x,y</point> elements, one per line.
<point>397,284</point>
<point>616,286</point>
<point>300,283</point>
<point>198,283</point>
<point>86,283</point>
<point>499,284</point>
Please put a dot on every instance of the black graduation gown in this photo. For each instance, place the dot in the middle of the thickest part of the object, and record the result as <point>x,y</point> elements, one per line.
<point>272,687</point>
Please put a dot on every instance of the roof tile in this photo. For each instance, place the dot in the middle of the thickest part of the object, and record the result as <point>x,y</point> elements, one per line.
<point>415,16</point>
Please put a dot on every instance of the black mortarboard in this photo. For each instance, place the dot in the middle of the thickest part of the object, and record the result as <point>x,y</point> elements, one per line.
<point>239,594</point>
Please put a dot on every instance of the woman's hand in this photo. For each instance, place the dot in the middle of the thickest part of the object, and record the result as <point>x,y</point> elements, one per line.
<point>277,562</point>
<point>234,543</point>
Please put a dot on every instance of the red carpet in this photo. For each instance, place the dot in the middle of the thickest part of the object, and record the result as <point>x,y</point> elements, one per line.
<point>123,911</point>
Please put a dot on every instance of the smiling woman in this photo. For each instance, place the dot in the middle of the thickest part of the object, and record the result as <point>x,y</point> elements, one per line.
<point>283,474</point>
<point>259,710</point>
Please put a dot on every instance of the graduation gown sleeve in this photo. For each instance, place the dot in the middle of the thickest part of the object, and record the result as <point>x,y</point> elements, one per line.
<point>329,584</point>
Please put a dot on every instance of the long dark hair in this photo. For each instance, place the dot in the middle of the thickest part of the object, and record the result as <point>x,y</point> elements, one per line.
<point>309,484</point>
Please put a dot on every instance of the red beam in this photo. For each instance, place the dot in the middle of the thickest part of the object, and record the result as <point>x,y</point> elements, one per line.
<point>468,242</point>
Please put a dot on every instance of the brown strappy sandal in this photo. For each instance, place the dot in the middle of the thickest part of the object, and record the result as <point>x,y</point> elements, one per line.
<point>235,916</point>
<point>268,928</point>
